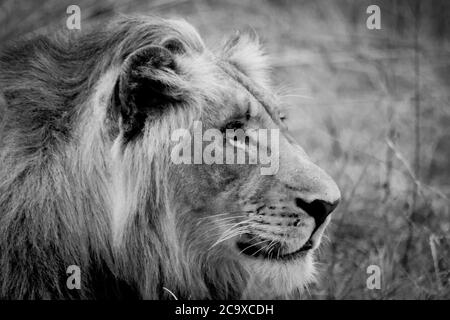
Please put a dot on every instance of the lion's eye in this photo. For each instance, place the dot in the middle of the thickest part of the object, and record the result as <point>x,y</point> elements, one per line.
<point>233,125</point>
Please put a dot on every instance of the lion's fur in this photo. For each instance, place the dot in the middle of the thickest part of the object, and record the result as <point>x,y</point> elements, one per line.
<point>54,178</point>
<point>76,188</point>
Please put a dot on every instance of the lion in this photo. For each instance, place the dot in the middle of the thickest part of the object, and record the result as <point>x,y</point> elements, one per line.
<point>86,177</point>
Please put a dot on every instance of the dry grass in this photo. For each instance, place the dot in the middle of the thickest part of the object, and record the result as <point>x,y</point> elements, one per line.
<point>353,102</point>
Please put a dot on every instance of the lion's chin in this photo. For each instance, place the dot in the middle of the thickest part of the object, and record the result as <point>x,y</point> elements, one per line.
<point>273,279</point>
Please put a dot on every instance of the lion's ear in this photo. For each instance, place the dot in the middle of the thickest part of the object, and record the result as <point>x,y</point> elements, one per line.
<point>147,84</point>
<point>246,52</point>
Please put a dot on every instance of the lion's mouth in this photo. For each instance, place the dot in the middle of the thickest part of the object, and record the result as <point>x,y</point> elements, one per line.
<point>267,249</point>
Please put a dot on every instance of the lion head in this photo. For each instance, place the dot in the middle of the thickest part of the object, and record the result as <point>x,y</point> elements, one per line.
<point>89,176</point>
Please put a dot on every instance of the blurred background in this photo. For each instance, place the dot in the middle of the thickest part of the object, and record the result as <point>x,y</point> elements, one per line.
<point>372,107</point>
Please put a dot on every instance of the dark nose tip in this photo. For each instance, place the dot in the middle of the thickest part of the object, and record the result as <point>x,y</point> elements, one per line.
<point>318,209</point>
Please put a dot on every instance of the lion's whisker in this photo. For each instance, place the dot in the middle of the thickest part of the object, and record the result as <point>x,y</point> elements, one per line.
<point>233,234</point>
<point>263,247</point>
<point>253,245</point>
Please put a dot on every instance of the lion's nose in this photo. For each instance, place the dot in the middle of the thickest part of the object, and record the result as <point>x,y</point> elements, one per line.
<point>318,209</point>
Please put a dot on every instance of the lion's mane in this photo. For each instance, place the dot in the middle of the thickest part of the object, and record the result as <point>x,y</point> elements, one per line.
<point>55,205</point>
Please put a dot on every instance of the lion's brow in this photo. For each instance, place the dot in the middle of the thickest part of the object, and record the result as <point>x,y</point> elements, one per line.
<point>263,97</point>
